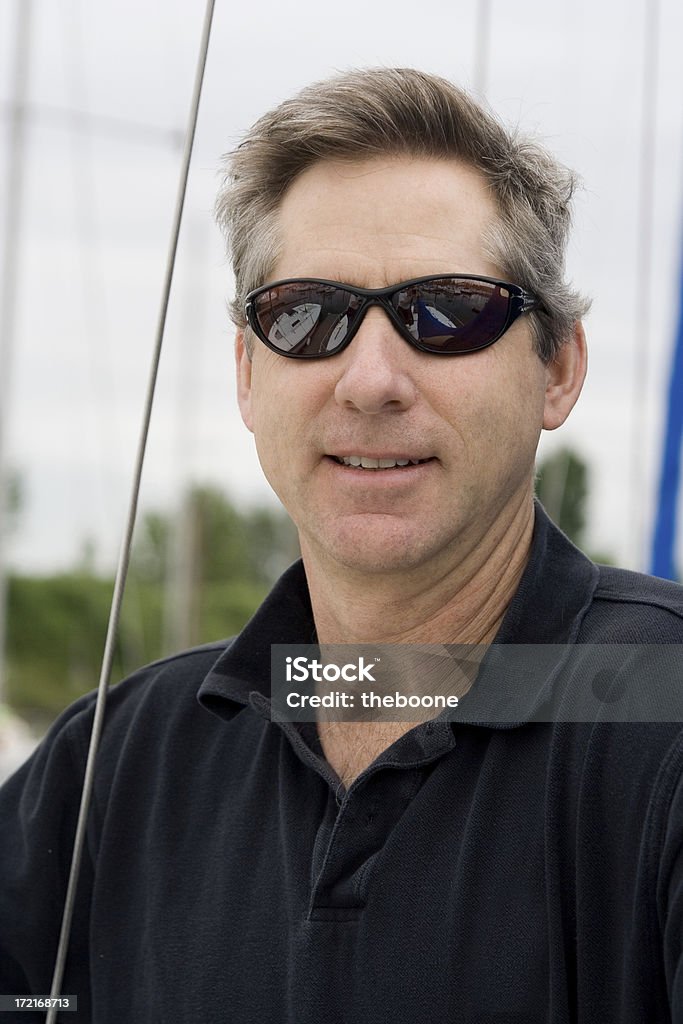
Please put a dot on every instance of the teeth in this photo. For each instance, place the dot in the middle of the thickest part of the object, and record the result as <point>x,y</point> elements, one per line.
<point>361,461</point>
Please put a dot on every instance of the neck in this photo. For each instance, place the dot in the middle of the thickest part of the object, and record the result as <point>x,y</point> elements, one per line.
<point>462,602</point>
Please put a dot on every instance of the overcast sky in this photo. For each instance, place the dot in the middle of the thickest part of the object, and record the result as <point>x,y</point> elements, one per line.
<point>97,208</point>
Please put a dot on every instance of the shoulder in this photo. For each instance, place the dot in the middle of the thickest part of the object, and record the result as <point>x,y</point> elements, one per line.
<point>632,607</point>
<point>624,586</point>
<point>178,675</point>
<point>163,694</point>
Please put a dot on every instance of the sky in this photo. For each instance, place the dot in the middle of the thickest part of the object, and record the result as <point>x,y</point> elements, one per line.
<point>109,84</point>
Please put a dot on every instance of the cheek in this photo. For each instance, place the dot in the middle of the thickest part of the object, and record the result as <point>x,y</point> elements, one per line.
<point>285,402</point>
<point>267,409</point>
<point>495,405</point>
<point>272,430</point>
<point>519,417</point>
<point>274,453</point>
<point>271,389</point>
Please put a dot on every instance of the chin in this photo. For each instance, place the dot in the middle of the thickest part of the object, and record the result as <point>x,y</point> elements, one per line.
<point>380,548</point>
<point>380,563</point>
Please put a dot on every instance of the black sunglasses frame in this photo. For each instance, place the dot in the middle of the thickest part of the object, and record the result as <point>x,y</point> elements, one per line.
<point>520,301</point>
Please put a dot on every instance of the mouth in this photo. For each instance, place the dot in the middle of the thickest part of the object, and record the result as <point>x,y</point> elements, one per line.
<point>364,462</point>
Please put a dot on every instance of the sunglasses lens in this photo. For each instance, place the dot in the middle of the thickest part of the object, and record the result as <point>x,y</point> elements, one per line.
<point>448,316</point>
<point>453,315</point>
<point>306,319</point>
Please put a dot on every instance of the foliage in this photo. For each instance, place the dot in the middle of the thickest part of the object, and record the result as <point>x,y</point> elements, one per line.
<point>562,487</point>
<point>218,560</point>
<point>55,638</point>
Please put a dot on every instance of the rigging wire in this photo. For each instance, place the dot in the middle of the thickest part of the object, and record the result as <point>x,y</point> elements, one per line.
<point>181,610</point>
<point>96,330</point>
<point>98,356</point>
<point>643,289</point>
<point>119,585</point>
<point>482,39</point>
<point>10,283</point>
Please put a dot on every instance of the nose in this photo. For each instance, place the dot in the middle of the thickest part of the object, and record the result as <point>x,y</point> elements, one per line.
<point>375,368</point>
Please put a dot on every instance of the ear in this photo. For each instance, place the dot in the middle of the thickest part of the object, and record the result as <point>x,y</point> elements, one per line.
<point>564,378</point>
<point>243,369</point>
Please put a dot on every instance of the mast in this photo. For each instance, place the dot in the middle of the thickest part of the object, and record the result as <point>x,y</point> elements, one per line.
<point>482,39</point>
<point>643,291</point>
<point>9,288</point>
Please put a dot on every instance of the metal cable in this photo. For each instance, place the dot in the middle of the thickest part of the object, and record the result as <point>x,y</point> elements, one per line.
<point>10,286</point>
<point>124,557</point>
<point>482,46</point>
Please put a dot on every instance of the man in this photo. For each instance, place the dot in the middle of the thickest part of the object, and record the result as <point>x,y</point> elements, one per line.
<point>404,333</point>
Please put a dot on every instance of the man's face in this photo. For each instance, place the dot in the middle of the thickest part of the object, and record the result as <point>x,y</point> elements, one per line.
<point>473,421</point>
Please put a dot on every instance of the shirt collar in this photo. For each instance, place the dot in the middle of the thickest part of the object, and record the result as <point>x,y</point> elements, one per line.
<point>553,596</point>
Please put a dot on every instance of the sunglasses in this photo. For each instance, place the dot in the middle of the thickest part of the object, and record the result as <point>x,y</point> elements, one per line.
<point>448,315</point>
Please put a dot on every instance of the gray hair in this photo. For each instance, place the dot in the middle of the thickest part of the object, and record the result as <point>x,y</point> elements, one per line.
<point>403,112</point>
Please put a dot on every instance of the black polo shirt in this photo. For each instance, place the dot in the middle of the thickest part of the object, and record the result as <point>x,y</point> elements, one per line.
<point>475,872</point>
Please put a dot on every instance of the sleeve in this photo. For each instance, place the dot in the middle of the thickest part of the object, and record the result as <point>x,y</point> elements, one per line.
<point>38,815</point>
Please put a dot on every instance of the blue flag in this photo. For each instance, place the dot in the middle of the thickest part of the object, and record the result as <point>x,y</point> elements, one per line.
<point>664,545</point>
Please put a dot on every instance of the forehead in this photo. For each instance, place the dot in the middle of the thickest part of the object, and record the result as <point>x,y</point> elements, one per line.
<point>379,221</point>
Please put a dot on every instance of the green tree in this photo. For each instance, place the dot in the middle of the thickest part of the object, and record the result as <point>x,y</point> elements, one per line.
<point>212,564</point>
<point>562,486</point>
<point>57,624</point>
<point>222,542</point>
<point>56,635</point>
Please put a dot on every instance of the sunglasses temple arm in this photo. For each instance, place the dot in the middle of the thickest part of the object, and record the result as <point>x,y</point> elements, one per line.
<point>529,303</point>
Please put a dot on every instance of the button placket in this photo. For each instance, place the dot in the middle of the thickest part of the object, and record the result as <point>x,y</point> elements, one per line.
<point>370,810</point>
